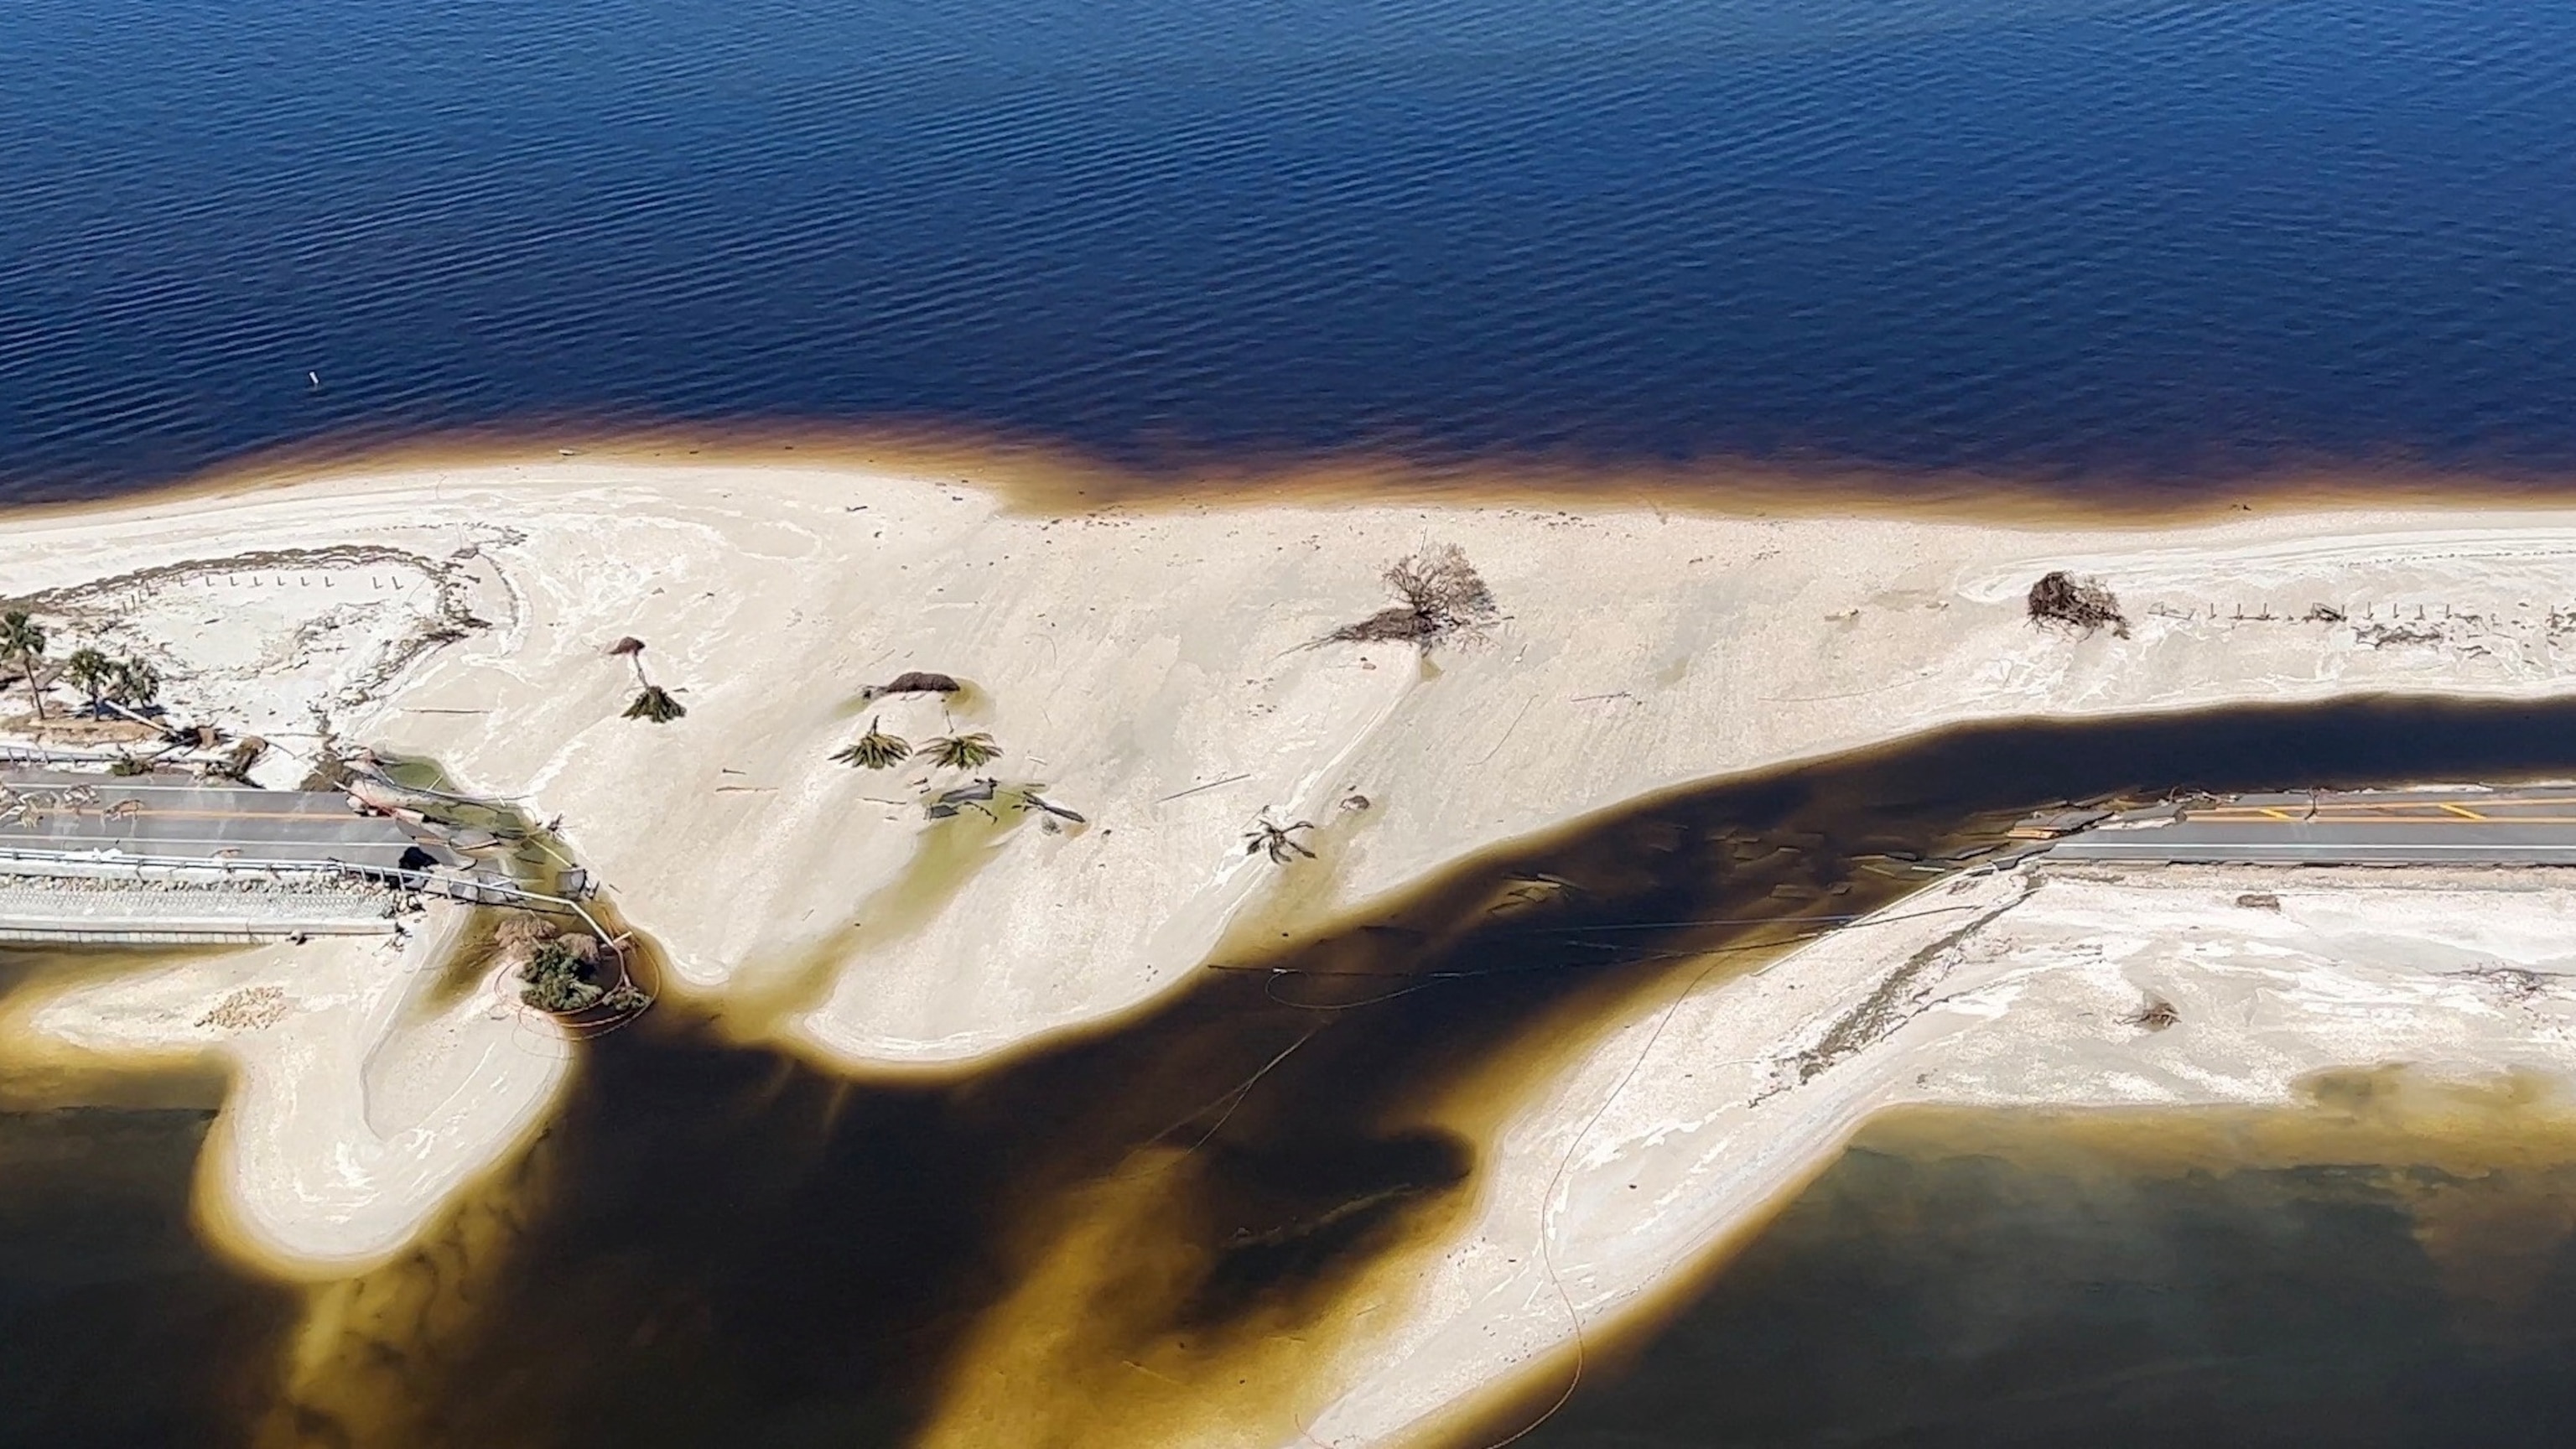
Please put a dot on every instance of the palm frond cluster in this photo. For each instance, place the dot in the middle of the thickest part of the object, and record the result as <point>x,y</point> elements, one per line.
<point>875,750</point>
<point>878,750</point>
<point>656,704</point>
<point>129,682</point>
<point>963,752</point>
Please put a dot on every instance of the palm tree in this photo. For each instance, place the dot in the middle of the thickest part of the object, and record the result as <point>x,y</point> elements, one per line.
<point>91,670</point>
<point>133,683</point>
<point>23,639</point>
<point>963,752</point>
<point>876,750</point>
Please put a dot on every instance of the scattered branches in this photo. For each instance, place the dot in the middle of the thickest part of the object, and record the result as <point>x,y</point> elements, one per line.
<point>2086,604</point>
<point>2155,1015</point>
<point>963,752</point>
<point>876,750</point>
<point>1442,595</point>
<point>656,704</point>
<point>1274,840</point>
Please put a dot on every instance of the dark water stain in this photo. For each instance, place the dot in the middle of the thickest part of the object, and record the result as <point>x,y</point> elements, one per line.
<point>120,1329</point>
<point>1118,1236</point>
<point>2132,245</point>
<point>1164,1226</point>
<point>2223,1277</point>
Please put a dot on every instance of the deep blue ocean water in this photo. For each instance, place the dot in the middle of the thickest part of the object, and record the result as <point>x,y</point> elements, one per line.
<point>2113,243</point>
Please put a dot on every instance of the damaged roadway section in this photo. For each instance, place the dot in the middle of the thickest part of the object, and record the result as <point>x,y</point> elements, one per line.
<point>2434,825</point>
<point>168,858</point>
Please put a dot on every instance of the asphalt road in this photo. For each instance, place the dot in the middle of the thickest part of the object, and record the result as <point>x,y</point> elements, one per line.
<point>2526,825</point>
<point>176,819</point>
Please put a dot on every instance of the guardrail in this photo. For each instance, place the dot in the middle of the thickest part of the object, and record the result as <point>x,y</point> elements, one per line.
<point>471,891</point>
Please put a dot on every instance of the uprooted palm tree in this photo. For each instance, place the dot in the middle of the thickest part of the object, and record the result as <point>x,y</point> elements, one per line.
<point>876,750</point>
<point>656,704</point>
<point>963,752</point>
<point>90,670</point>
<point>652,702</point>
<point>22,641</point>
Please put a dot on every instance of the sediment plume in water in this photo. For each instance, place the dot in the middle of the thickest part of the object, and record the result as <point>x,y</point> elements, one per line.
<point>1160,1232</point>
<point>1157,1234</point>
<point>2383,1261</point>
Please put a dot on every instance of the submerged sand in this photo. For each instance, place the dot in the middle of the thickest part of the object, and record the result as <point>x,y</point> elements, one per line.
<point>2402,1007</point>
<point>1159,673</point>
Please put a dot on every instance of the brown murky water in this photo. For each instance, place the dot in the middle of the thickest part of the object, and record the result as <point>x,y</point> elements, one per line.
<point>1150,1235</point>
<point>2389,1264</point>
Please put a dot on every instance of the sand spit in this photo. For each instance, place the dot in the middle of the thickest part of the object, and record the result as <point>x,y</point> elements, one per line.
<point>1153,672</point>
<point>1156,673</point>
<point>366,1091</point>
<point>2033,987</point>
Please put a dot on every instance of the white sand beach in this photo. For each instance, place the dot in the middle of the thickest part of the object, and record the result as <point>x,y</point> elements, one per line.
<point>1153,671</point>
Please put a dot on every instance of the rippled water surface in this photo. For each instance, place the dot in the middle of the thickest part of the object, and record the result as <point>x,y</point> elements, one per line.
<point>2097,239</point>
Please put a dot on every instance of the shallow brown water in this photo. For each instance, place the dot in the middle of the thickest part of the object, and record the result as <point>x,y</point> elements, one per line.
<point>2387,1264</point>
<point>1154,1233</point>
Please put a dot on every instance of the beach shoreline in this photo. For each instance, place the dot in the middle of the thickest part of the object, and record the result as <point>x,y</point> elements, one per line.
<point>1166,675</point>
<point>2359,1016</point>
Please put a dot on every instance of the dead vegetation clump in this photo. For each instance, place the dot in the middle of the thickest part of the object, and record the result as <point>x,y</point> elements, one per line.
<point>2087,604</point>
<point>248,1009</point>
<point>2155,1015</point>
<point>1442,596</point>
<point>521,930</point>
